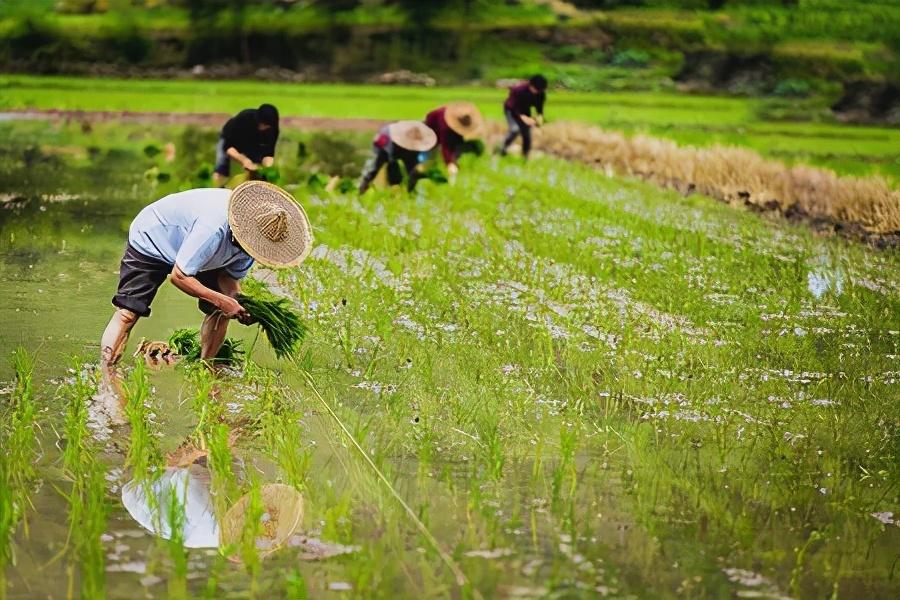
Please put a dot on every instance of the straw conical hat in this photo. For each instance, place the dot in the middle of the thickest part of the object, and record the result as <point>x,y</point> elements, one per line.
<point>465,119</point>
<point>412,135</point>
<point>269,224</point>
<point>283,506</point>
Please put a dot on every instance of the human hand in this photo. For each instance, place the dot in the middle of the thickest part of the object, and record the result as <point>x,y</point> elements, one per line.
<point>232,309</point>
<point>539,120</point>
<point>527,120</point>
<point>250,165</point>
<point>452,171</point>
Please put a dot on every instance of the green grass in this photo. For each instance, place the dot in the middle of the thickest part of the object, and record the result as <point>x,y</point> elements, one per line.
<point>693,120</point>
<point>579,384</point>
<point>18,438</point>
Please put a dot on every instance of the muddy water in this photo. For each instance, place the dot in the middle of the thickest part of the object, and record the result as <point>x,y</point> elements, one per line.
<point>59,250</point>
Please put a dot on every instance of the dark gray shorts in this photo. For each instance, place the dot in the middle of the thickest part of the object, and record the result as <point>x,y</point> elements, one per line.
<point>140,277</point>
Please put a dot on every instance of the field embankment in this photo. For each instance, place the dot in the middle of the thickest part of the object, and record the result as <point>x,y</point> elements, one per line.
<point>866,208</point>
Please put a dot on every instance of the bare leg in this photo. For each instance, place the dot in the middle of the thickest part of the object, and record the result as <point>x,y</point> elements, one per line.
<point>115,336</point>
<point>112,344</point>
<point>212,334</point>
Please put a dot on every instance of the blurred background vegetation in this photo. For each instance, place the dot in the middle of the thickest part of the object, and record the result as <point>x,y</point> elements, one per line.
<point>841,52</point>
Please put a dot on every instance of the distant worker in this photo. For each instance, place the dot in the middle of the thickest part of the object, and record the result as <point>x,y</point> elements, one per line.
<point>455,124</point>
<point>517,108</point>
<point>404,142</point>
<point>249,137</point>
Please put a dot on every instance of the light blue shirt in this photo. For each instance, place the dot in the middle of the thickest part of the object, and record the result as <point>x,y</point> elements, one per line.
<point>190,229</point>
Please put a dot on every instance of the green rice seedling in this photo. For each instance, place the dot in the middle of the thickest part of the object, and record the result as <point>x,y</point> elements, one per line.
<point>17,472</point>
<point>186,343</point>
<point>174,510</point>
<point>295,585</point>
<point>253,515</point>
<point>88,505</point>
<point>144,456</point>
<point>224,484</point>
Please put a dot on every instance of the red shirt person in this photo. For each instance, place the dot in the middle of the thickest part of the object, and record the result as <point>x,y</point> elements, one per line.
<point>454,124</point>
<point>517,108</point>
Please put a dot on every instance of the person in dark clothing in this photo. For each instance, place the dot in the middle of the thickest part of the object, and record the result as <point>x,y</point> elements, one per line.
<point>403,142</point>
<point>454,124</point>
<point>249,137</point>
<point>517,108</point>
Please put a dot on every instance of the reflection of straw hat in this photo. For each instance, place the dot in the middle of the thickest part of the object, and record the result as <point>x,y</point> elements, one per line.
<point>148,503</point>
<point>283,512</point>
<point>412,135</point>
<point>269,224</point>
<point>465,119</point>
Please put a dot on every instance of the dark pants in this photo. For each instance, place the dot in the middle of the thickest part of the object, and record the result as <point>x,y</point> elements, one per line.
<point>140,277</point>
<point>380,157</point>
<point>517,127</point>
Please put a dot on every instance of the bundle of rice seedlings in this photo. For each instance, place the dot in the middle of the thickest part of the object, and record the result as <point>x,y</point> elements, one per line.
<point>186,343</point>
<point>284,329</point>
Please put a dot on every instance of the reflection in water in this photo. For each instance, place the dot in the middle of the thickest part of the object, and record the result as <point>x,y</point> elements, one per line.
<point>824,276</point>
<point>191,485</point>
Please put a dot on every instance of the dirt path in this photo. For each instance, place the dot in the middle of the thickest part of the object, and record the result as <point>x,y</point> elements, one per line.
<point>184,118</point>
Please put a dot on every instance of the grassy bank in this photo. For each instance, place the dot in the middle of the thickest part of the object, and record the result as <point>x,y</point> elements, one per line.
<point>692,120</point>
<point>582,385</point>
<point>808,48</point>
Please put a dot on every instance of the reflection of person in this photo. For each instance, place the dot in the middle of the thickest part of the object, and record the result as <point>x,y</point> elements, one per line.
<point>148,504</point>
<point>184,486</point>
<point>454,124</point>
<point>249,137</point>
<point>517,108</point>
<point>205,240</point>
<point>401,142</point>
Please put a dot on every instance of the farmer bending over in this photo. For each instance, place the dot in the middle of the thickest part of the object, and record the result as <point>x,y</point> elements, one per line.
<point>401,142</point>
<point>248,137</point>
<point>454,124</point>
<point>205,240</point>
<point>517,108</point>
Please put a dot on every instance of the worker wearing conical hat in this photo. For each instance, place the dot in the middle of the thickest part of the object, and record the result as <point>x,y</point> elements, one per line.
<point>454,124</point>
<point>402,143</point>
<point>205,241</point>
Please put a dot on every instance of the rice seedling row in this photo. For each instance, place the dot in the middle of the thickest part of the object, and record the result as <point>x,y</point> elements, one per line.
<point>579,384</point>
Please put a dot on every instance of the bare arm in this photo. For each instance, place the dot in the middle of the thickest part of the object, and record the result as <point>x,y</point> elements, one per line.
<point>225,303</point>
<point>236,155</point>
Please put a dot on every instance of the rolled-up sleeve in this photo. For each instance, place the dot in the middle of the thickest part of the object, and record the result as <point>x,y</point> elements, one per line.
<point>197,249</point>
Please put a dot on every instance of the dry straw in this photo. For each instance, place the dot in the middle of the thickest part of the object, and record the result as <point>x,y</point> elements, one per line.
<point>733,175</point>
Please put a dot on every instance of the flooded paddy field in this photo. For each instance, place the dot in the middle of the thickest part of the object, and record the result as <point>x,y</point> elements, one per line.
<point>581,386</point>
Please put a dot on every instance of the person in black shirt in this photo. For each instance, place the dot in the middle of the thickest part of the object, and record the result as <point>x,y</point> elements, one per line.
<point>248,137</point>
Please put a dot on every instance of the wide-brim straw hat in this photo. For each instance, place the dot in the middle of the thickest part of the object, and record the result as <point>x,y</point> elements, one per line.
<point>465,119</point>
<point>412,135</point>
<point>282,516</point>
<point>269,224</point>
